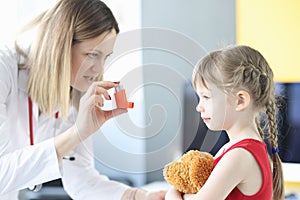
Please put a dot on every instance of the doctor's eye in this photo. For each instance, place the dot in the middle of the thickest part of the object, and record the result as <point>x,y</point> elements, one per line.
<point>107,56</point>
<point>92,55</point>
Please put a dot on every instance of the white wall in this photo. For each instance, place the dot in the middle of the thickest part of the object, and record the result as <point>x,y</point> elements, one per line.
<point>16,13</point>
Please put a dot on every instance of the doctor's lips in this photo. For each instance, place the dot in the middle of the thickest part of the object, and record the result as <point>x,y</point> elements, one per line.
<point>121,99</point>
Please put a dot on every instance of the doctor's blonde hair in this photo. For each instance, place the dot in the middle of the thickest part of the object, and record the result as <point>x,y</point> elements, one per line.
<point>49,58</point>
<point>242,67</point>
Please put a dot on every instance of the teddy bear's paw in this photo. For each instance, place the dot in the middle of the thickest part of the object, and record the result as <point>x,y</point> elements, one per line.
<point>177,174</point>
<point>200,169</point>
<point>190,173</point>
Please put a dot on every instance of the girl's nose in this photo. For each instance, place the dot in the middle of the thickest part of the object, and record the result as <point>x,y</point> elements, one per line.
<point>199,108</point>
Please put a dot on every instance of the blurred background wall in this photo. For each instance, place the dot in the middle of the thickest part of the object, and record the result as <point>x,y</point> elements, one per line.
<point>173,36</point>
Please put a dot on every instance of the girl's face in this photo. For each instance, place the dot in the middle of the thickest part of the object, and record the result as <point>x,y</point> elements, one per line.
<point>88,59</point>
<point>216,108</point>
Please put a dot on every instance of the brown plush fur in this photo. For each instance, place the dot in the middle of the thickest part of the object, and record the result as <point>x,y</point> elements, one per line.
<point>190,173</point>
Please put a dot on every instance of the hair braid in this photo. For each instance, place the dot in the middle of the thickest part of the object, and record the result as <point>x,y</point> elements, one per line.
<point>278,187</point>
<point>260,131</point>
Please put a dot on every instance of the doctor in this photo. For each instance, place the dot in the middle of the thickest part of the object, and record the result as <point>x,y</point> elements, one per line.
<point>50,103</point>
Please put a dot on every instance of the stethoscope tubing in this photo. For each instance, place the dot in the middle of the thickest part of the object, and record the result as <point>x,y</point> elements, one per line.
<point>38,187</point>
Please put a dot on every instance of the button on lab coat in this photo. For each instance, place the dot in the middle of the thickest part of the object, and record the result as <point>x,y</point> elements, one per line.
<point>22,165</point>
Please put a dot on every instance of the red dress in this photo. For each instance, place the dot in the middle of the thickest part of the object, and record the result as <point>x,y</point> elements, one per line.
<point>259,151</point>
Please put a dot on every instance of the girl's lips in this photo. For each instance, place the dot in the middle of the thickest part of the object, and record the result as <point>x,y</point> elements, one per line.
<point>205,119</point>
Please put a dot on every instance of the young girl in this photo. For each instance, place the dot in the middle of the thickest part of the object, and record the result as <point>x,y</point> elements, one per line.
<point>236,88</point>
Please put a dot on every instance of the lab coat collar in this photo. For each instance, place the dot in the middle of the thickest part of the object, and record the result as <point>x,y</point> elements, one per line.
<point>23,78</point>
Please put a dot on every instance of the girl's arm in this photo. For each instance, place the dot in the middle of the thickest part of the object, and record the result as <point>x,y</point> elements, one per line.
<point>231,171</point>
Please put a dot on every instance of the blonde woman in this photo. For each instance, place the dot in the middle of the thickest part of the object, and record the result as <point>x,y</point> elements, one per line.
<point>235,86</point>
<point>50,103</point>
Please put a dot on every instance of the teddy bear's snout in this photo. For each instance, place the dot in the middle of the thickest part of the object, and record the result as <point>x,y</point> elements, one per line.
<point>165,171</point>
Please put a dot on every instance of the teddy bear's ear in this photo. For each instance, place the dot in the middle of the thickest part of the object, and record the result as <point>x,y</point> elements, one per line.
<point>190,155</point>
<point>200,169</point>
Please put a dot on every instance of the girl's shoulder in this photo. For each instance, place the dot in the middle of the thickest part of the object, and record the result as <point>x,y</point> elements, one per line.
<point>244,143</point>
<point>248,147</point>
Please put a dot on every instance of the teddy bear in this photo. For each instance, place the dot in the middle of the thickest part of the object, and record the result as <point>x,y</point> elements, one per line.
<point>190,172</point>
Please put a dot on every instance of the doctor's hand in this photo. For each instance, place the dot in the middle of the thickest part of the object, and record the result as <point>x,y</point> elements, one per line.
<point>90,115</point>
<point>173,194</point>
<point>159,195</point>
<point>141,194</point>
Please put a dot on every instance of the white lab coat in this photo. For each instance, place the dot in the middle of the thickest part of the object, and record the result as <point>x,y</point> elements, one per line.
<point>22,165</point>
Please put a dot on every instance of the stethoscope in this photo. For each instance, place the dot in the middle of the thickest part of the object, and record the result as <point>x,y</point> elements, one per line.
<point>38,187</point>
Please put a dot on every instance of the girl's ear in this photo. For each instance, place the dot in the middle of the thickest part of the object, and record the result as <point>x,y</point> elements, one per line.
<point>243,100</point>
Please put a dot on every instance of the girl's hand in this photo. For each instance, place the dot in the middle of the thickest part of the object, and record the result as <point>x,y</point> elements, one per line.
<point>90,115</point>
<point>173,194</point>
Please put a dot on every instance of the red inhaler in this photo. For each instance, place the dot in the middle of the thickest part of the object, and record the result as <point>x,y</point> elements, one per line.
<point>121,99</point>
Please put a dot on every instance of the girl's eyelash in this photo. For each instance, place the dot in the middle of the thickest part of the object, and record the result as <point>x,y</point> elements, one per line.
<point>205,97</point>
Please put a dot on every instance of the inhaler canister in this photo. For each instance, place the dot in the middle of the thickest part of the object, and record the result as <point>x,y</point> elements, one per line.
<point>121,99</point>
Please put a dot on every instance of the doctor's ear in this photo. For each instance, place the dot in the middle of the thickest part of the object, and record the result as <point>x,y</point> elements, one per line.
<point>243,100</point>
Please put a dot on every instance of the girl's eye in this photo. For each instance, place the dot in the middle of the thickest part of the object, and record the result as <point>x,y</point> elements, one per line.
<point>205,97</point>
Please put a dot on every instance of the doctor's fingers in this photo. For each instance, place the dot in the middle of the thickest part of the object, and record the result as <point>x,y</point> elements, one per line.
<point>102,92</point>
<point>98,100</point>
<point>92,90</point>
<point>107,84</point>
<point>115,112</point>
<point>100,88</point>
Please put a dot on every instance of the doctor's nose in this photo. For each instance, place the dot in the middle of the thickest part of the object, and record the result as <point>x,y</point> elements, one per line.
<point>98,67</point>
